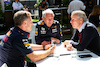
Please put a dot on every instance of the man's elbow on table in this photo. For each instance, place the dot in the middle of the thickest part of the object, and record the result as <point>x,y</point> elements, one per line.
<point>80,48</point>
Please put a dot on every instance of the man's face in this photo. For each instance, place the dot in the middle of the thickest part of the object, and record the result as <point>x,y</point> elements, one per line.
<point>75,22</point>
<point>29,24</point>
<point>49,19</point>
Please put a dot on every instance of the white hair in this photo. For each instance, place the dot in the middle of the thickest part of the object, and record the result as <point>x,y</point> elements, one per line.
<point>47,11</point>
<point>80,14</point>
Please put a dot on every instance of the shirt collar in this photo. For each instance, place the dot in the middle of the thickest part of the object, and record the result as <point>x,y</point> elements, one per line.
<point>82,27</point>
<point>26,34</point>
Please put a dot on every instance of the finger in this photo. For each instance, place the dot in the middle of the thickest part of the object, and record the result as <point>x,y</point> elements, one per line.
<point>52,47</point>
<point>68,48</point>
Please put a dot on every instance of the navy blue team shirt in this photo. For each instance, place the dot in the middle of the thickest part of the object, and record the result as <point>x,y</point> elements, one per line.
<point>14,47</point>
<point>44,33</point>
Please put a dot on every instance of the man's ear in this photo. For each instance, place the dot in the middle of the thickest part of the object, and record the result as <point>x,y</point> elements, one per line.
<point>24,23</point>
<point>81,19</point>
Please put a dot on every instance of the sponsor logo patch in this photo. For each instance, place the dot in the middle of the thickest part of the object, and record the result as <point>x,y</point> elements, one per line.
<point>26,43</point>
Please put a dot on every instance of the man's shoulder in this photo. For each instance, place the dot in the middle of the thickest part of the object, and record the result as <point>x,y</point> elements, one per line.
<point>55,22</point>
<point>90,28</point>
<point>90,25</point>
<point>76,1</point>
<point>17,32</point>
<point>14,32</point>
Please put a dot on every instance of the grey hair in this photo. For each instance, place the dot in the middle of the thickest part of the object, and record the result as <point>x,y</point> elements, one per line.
<point>80,14</point>
<point>47,11</point>
<point>20,16</point>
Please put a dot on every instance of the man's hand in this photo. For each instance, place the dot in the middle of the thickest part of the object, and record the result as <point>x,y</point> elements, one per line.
<point>52,49</point>
<point>69,47</point>
<point>47,47</point>
<point>57,40</point>
<point>67,42</point>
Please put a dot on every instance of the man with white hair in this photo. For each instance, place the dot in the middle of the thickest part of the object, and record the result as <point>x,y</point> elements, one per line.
<point>86,35</point>
<point>48,29</point>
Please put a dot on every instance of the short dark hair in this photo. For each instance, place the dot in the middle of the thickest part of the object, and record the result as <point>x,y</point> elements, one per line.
<point>20,16</point>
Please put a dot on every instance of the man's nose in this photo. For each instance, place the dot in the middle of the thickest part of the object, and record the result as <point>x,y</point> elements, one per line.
<point>49,19</point>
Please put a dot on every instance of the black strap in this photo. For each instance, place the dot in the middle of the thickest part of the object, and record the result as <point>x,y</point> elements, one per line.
<point>43,47</point>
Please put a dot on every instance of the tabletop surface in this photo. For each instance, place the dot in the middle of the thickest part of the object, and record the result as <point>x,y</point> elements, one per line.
<point>64,58</point>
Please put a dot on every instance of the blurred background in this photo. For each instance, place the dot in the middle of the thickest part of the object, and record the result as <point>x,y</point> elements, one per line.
<point>58,6</point>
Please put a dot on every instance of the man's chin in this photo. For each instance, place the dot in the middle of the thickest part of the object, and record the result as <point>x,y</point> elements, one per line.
<point>29,30</point>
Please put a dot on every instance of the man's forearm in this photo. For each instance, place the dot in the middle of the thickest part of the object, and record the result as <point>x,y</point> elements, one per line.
<point>36,47</point>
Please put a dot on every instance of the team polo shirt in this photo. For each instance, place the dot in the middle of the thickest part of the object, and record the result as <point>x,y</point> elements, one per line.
<point>14,47</point>
<point>44,33</point>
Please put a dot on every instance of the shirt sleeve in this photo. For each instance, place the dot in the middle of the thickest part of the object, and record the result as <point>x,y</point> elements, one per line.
<point>22,45</point>
<point>59,32</point>
<point>37,35</point>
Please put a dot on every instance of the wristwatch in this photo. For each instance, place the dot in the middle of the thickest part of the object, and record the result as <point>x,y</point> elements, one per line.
<point>43,47</point>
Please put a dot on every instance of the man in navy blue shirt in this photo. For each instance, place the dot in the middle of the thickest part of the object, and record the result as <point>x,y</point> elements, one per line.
<point>48,29</point>
<point>15,46</point>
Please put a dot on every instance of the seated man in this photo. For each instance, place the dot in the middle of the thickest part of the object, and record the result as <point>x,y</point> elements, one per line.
<point>47,29</point>
<point>86,35</point>
<point>15,46</point>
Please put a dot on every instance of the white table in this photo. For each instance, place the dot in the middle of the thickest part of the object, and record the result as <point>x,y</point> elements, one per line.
<point>70,59</point>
